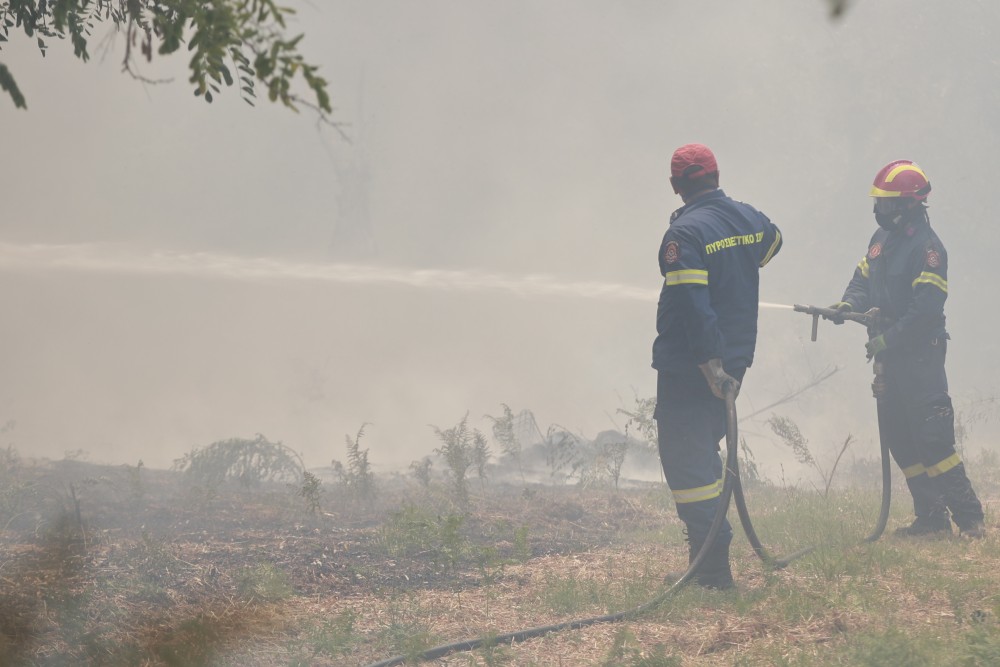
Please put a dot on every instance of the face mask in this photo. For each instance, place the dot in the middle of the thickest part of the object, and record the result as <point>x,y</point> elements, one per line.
<point>889,212</point>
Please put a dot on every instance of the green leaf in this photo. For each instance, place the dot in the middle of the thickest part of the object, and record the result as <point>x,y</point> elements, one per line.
<point>243,42</point>
<point>7,83</point>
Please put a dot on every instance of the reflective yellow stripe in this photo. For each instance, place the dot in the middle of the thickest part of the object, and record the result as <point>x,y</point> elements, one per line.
<point>707,492</point>
<point>772,249</point>
<point>863,266</point>
<point>896,171</point>
<point>944,466</point>
<point>915,470</point>
<point>929,278</point>
<point>687,277</point>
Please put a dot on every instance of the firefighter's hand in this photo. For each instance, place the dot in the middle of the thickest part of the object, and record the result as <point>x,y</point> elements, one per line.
<point>718,380</point>
<point>840,307</point>
<point>875,345</point>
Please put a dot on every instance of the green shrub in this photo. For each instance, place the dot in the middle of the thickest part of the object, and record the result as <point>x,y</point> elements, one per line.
<point>249,462</point>
<point>310,491</point>
<point>422,471</point>
<point>459,452</point>
<point>414,531</point>
<point>505,433</point>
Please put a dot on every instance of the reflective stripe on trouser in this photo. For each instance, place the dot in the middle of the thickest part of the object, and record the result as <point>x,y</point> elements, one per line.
<point>895,430</point>
<point>690,423</point>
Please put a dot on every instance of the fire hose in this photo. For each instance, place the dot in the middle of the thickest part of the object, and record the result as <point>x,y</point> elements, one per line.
<point>873,320</point>
<point>731,488</point>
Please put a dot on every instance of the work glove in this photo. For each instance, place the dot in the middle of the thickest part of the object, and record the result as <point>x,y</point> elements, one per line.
<point>718,380</point>
<point>840,307</point>
<point>875,345</point>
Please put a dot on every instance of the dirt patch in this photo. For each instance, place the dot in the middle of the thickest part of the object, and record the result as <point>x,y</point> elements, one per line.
<point>105,565</point>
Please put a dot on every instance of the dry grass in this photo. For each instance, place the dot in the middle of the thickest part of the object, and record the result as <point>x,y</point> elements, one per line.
<point>243,577</point>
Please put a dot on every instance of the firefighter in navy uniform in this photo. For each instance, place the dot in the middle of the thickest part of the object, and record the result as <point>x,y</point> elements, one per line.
<point>905,276</point>
<point>706,325</point>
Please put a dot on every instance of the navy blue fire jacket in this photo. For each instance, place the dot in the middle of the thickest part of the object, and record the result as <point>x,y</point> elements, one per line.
<point>905,275</point>
<point>710,259</point>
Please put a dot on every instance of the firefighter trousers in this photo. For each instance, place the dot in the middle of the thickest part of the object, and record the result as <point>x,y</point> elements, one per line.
<point>917,421</point>
<point>690,423</point>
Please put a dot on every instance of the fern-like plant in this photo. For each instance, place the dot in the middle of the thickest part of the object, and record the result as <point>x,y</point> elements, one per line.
<point>458,450</point>
<point>505,433</point>
<point>357,476</point>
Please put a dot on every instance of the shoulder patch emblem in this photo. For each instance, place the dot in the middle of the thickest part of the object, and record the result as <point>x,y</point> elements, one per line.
<point>933,259</point>
<point>672,252</point>
<point>875,251</point>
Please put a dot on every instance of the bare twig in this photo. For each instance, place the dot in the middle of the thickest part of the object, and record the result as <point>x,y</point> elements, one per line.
<point>818,379</point>
<point>836,462</point>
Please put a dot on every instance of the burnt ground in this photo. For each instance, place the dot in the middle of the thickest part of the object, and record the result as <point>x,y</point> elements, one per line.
<point>124,565</point>
<point>114,566</point>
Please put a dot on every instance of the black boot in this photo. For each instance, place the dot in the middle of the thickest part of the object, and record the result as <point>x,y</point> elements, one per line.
<point>958,494</point>
<point>938,526</point>
<point>973,531</point>
<point>929,508</point>
<point>714,571</point>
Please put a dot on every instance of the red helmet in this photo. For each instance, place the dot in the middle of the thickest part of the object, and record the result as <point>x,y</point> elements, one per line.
<point>901,178</point>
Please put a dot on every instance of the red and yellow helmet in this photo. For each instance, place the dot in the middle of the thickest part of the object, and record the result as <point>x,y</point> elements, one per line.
<point>901,178</point>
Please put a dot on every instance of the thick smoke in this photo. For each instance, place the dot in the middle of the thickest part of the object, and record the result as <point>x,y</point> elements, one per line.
<point>490,141</point>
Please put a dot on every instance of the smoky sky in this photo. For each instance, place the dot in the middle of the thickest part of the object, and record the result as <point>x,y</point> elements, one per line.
<point>514,139</point>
